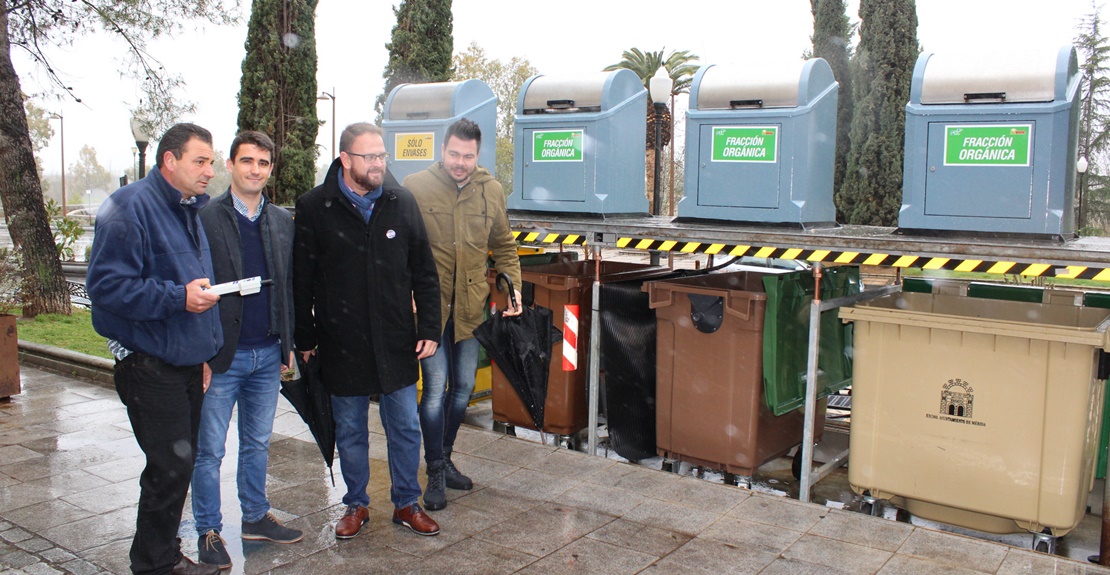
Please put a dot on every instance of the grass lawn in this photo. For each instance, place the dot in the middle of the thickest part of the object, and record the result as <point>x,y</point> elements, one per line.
<point>74,332</point>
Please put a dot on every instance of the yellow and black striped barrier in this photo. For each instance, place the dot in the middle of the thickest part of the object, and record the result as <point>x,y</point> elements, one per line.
<point>960,264</point>
<point>549,238</point>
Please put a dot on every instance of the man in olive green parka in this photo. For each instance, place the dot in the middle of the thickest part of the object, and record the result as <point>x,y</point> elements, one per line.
<point>464,212</point>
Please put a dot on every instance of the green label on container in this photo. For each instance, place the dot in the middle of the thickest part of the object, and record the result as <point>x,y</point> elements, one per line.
<point>988,145</point>
<point>746,144</point>
<point>560,146</point>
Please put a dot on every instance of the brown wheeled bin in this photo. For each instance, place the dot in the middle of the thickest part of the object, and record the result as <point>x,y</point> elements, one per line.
<point>554,286</point>
<point>711,410</point>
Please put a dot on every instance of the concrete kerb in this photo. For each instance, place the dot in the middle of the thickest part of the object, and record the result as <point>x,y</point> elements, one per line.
<point>97,370</point>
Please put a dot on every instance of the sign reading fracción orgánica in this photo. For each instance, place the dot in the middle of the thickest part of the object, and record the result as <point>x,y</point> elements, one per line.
<point>988,144</point>
<point>746,144</point>
<point>557,146</point>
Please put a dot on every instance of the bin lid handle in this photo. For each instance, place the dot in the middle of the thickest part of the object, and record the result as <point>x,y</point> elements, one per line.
<point>739,104</point>
<point>1104,329</point>
<point>972,97</point>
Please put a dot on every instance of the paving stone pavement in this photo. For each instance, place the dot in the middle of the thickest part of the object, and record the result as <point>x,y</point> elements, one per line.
<point>68,492</point>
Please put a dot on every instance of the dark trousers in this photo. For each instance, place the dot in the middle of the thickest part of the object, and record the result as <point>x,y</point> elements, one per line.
<point>163,403</point>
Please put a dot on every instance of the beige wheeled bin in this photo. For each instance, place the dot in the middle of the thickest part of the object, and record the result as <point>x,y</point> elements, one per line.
<point>979,413</point>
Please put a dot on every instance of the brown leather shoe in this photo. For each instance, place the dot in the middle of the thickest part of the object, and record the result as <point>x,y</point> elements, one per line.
<point>352,521</point>
<point>186,566</point>
<point>414,518</point>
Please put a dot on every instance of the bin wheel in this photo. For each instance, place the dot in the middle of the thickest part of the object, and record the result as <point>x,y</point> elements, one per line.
<point>570,442</point>
<point>796,464</point>
<point>902,516</point>
<point>502,427</point>
<point>870,506</point>
<point>671,465</point>
<point>736,480</point>
<point>1045,543</point>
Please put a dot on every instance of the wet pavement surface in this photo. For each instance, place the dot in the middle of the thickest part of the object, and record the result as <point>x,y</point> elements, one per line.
<point>69,469</point>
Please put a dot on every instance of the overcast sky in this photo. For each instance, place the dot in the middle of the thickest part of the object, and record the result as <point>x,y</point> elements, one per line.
<point>568,37</point>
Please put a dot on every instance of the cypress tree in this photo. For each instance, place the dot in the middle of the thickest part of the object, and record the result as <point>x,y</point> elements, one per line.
<point>420,46</point>
<point>872,190</point>
<point>831,34</point>
<point>1092,197</point>
<point>277,94</point>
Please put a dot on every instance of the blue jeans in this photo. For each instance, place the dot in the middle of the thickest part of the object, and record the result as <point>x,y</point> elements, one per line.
<point>448,382</point>
<point>252,381</point>
<point>402,436</point>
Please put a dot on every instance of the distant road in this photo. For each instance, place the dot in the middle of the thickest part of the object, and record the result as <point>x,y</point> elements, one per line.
<point>79,249</point>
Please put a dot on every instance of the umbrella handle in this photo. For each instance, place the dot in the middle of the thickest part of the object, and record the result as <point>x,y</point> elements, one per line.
<point>509,282</point>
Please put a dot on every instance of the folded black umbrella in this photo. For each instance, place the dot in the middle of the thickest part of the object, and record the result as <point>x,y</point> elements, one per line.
<point>521,347</point>
<point>313,403</point>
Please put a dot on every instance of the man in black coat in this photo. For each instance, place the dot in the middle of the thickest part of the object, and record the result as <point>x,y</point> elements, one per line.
<point>361,260</point>
<point>250,237</point>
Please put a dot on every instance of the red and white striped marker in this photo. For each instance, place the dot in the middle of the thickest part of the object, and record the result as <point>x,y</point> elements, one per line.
<point>570,337</point>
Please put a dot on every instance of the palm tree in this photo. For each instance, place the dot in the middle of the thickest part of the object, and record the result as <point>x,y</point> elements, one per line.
<point>644,64</point>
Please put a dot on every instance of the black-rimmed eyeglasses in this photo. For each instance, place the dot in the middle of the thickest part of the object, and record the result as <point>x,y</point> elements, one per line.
<point>370,158</point>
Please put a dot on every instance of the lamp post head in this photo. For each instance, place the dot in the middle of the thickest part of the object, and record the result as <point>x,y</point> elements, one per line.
<point>660,85</point>
<point>142,137</point>
<point>1081,165</point>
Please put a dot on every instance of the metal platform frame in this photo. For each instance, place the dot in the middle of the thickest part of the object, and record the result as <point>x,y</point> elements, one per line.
<point>1085,258</point>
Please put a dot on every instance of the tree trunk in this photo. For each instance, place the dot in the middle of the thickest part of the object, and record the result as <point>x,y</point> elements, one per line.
<point>44,287</point>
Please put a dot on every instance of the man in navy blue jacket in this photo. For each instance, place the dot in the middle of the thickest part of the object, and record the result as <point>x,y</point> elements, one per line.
<point>148,271</point>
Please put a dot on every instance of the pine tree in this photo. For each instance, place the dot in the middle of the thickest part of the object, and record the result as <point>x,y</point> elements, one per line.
<point>420,46</point>
<point>1093,188</point>
<point>277,94</point>
<point>872,190</point>
<point>831,41</point>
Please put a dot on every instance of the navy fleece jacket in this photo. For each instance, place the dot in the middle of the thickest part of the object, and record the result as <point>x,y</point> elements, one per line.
<point>147,246</point>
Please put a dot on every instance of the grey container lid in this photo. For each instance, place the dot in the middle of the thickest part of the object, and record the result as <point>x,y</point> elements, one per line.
<point>437,100</point>
<point>1021,76</point>
<point>592,92</point>
<point>781,84</point>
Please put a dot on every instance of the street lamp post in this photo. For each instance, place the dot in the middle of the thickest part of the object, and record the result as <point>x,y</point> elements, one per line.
<point>1081,167</point>
<point>142,138</point>
<point>670,150</point>
<point>326,96</point>
<point>659,87</point>
<point>62,132</point>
